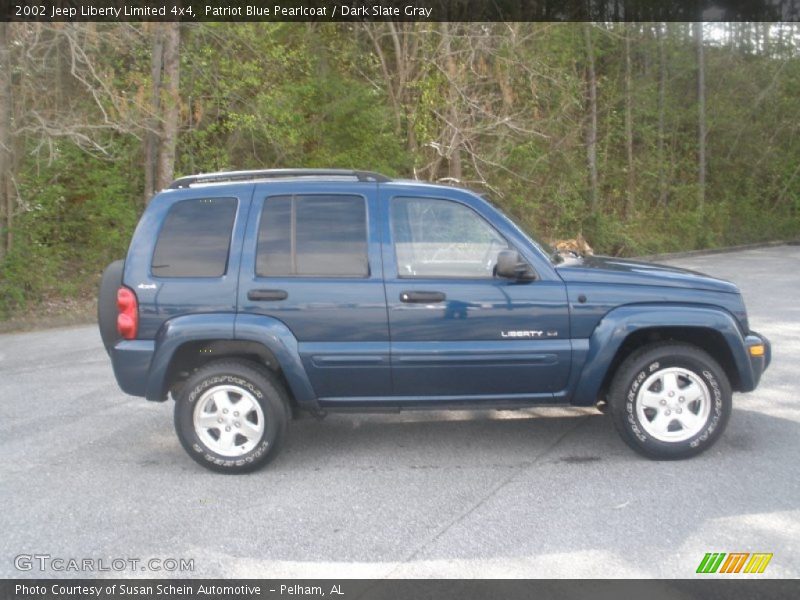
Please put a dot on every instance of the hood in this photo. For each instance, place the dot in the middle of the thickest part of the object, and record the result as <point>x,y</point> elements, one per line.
<point>605,269</point>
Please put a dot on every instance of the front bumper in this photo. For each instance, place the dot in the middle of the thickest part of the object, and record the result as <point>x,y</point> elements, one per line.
<point>758,363</point>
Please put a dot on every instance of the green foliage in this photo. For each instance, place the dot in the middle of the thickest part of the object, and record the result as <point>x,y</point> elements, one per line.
<point>275,95</point>
<point>257,95</point>
<point>79,214</point>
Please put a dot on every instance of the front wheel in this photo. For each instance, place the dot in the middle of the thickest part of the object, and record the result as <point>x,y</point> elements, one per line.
<point>231,416</point>
<point>670,401</point>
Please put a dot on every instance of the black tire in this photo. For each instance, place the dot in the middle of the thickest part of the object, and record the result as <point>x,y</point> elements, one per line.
<point>107,304</point>
<point>262,385</point>
<point>651,364</point>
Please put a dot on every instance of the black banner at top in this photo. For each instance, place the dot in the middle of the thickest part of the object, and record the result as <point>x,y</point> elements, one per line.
<point>400,10</point>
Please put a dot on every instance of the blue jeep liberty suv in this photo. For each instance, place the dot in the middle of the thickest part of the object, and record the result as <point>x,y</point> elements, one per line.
<point>251,296</point>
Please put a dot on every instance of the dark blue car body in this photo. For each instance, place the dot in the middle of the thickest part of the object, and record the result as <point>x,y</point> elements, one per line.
<point>352,343</point>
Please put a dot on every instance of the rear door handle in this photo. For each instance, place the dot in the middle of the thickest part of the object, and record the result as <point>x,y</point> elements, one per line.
<point>267,295</point>
<point>414,297</point>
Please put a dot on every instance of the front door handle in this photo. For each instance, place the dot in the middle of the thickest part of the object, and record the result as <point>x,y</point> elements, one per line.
<point>414,297</point>
<point>267,295</point>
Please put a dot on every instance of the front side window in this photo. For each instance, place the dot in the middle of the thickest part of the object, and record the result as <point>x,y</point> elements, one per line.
<point>195,239</point>
<point>313,236</point>
<point>441,238</point>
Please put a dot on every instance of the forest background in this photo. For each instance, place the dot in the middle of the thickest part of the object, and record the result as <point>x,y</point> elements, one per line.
<point>644,137</point>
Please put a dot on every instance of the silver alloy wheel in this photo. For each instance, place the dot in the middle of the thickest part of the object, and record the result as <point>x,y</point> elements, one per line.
<point>228,420</point>
<point>673,404</point>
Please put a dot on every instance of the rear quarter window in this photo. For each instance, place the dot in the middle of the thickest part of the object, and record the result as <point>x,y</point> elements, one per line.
<point>195,239</point>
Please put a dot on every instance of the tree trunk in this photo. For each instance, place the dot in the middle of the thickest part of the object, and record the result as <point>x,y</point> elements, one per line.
<point>397,110</point>
<point>591,130</point>
<point>154,124</point>
<point>662,95</point>
<point>6,195</point>
<point>171,105</point>
<point>454,154</point>
<point>629,198</point>
<point>701,117</point>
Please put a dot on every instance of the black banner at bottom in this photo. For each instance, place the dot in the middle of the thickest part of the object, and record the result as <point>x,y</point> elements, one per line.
<point>396,589</point>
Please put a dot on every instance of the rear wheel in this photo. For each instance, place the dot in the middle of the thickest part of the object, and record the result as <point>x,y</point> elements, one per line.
<point>231,416</point>
<point>670,401</point>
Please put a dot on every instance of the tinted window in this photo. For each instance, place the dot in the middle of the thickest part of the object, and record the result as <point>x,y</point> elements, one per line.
<point>318,235</point>
<point>440,238</point>
<point>195,239</point>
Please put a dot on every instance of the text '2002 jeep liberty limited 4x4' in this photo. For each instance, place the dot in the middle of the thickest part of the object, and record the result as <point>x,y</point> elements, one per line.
<point>252,295</point>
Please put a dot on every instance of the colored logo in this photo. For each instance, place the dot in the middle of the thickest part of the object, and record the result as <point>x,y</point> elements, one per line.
<point>735,562</point>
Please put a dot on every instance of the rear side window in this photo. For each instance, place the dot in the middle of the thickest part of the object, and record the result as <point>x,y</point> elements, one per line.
<point>195,239</point>
<point>313,236</point>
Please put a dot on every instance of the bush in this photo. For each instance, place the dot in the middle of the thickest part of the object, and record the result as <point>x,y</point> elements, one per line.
<point>77,215</point>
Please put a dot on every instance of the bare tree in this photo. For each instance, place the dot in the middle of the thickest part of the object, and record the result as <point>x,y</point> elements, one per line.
<point>398,48</point>
<point>67,89</point>
<point>701,117</point>
<point>6,192</point>
<point>152,136</point>
<point>662,93</point>
<point>171,105</point>
<point>87,104</point>
<point>161,137</point>
<point>629,198</point>
<point>453,151</point>
<point>591,130</point>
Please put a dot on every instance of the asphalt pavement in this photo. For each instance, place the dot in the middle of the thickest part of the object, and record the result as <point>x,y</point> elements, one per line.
<point>90,473</point>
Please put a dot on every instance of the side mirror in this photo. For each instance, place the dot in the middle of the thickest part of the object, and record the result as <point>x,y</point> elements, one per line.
<point>511,266</point>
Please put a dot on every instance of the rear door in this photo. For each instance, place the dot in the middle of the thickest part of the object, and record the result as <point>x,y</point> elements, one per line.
<point>458,331</point>
<point>312,260</point>
<point>184,257</point>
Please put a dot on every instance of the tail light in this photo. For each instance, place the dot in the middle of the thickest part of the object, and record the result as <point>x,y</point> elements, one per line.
<point>128,317</point>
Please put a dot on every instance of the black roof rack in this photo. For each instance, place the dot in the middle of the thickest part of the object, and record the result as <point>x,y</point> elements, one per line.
<point>185,182</point>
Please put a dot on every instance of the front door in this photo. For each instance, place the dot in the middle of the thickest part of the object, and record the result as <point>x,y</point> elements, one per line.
<point>458,332</point>
<point>312,260</point>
